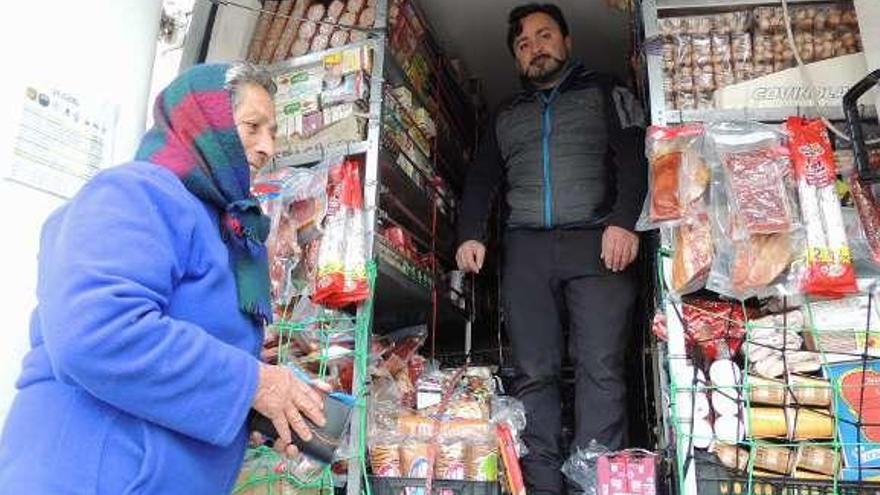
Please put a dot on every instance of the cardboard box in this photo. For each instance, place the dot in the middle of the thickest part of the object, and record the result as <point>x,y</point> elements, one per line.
<point>627,473</point>
<point>847,381</point>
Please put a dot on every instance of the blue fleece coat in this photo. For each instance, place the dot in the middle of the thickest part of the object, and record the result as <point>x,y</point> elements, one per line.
<point>142,368</point>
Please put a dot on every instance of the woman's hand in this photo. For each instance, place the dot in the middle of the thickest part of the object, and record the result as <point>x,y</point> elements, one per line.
<point>285,400</point>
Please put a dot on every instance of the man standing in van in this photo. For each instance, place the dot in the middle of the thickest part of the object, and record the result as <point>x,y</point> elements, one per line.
<point>567,153</point>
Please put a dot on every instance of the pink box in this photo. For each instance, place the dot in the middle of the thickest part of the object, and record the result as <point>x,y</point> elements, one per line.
<point>630,472</point>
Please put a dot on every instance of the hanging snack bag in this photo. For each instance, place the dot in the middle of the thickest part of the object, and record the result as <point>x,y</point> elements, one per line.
<point>829,270</point>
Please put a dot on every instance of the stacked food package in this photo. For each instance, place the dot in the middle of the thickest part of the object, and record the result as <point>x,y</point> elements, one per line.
<point>322,104</point>
<point>708,52</point>
<point>783,355</point>
<point>434,425</point>
<point>292,28</point>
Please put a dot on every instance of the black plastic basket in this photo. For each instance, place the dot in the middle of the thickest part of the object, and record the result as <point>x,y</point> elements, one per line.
<point>714,479</point>
<point>398,486</point>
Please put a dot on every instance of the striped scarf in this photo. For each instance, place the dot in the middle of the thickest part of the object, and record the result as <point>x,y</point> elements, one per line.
<point>195,137</point>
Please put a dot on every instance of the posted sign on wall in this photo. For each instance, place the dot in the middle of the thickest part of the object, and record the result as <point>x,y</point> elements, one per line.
<point>61,140</point>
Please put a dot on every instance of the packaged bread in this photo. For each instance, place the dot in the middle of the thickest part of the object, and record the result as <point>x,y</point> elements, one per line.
<point>451,459</point>
<point>702,49</point>
<point>721,49</point>
<point>334,10</point>
<point>347,19</point>
<point>824,44</point>
<point>326,27</point>
<point>262,30</point>
<point>367,17</point>
<point>803,41</point>
<point>762,69</point>
<point>743,72</point>
<point>481,461</point>
<point>685,52</point>
<point>669,55</point>
<point>414,458</point>
<point>763,49</point>
<point>769,20</point>
<point>723,75</point>
<point>802,18</point>
<point>704,78</point>
<point>290,29</point>
<point>354,6</point>
<point>740,48</point>
<point>300,47</point>
<point>699,25</point>
<point>722,23</point>
<point>672,26</point>
<point>356,36</point>
<point>307,31</point>
<point>684,80</point>
<point>741,22</point>
<point>339,38</point>
<point>319,42</point>
<point>273,38</point>
<point>783,54</point>
<point>385,455</point>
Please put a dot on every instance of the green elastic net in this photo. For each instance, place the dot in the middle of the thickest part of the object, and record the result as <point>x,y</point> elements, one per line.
<point>265,471</point>
<point>752,481</point>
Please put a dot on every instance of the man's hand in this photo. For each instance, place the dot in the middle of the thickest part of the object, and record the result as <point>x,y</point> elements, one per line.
<point>470,256</point>
<point>619,248</point>
<point>284,399</point>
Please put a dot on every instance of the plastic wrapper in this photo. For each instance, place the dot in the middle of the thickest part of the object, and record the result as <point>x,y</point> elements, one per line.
<point>581,467</point>
<point>717,328</point>
<point>763,48</point>
<point>296,201</point>
<point>755,216</point>
<point>769,20</point>
<point>829,270</point>
<point>481,461</point>
<point>384,451</point>
<point>669,55</point>
<point>702,49</point>
<point>721,49</point>
<point>685,52</point>
<point>686,100</point>
<point>672,26</point>
<point>450,460</point>
<point>694,252</point>
<point>704,79</point>
<point>415,458</point>
<point>678,177</point>
<point>342,272</point>
<point>699,25</point>
<point>724,75</point>
<point>261,30</point>
<point>824,44</point>
<point>755,175</point>
<point>783,54</point>
<point>805,43</point>
<point>802,18</point>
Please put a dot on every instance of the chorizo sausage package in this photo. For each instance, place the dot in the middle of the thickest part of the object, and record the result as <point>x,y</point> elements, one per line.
<point>829,271</point>
<point>756,223</point>
<point>678,176</point>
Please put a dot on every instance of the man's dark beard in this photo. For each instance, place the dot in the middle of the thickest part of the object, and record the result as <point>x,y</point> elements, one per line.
<point>546,77</point>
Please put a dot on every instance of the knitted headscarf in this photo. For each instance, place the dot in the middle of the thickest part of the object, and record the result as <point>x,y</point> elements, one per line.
<point>195,137</point>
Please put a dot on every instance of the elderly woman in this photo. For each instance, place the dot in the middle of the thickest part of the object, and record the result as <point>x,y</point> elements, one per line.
<point>152,295</point>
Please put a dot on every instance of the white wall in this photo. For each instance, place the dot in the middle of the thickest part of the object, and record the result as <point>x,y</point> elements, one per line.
<point>96,48</point>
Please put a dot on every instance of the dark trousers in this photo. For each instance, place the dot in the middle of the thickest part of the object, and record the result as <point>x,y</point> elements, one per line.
<point>546,275</point>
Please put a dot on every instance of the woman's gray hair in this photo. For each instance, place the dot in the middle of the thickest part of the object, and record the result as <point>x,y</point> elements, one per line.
<point>241,73</point>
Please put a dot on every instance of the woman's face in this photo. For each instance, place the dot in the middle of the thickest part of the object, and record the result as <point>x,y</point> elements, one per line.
<point>255,120</point>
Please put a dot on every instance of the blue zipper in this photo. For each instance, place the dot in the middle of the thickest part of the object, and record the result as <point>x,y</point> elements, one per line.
<point>548,172</point>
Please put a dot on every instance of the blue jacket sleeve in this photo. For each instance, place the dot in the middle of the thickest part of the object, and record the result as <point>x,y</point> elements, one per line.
<point>107,272</point>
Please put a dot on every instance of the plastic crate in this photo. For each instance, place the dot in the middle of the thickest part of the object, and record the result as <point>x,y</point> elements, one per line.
<point>398,486</point>
<point>713,479</point>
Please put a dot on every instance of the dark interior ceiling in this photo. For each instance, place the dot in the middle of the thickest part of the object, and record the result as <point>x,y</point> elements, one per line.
<point>475,31</point>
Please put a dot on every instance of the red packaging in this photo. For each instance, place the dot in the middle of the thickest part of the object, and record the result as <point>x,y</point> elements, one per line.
<point>630,472</point>
<point>869,214</point>
<point>716,327</point>
<point>757,189</point>
<point>830,270</point>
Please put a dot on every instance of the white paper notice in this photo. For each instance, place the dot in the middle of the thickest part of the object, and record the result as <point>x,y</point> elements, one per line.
<point>62,141</point>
